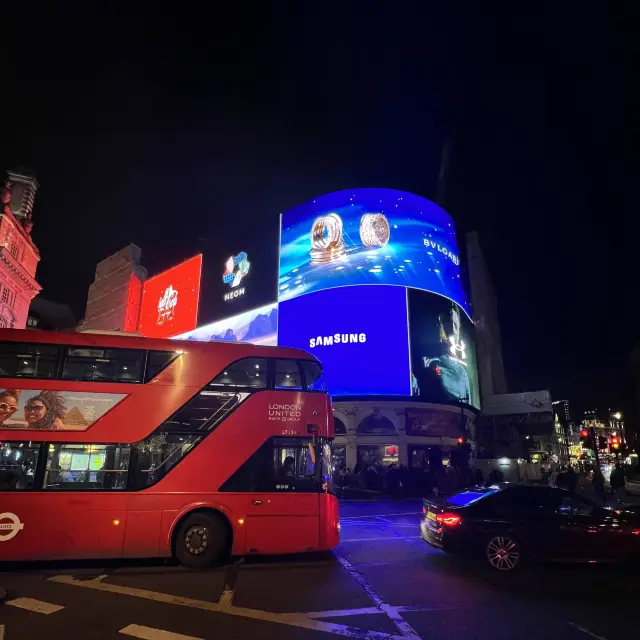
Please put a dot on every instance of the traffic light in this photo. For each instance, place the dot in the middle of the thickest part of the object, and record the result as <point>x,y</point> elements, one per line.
<point>460,441</point>
<point>614,444</point>
<point>587,440</point>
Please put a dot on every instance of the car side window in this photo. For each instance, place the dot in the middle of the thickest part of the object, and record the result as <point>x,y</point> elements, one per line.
<point>524,499</point>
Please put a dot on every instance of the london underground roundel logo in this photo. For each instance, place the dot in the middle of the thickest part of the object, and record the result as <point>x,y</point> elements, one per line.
<point>11,528</point>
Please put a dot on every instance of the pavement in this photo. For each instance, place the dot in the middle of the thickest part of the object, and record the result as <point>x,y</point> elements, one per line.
<point>382,582</point>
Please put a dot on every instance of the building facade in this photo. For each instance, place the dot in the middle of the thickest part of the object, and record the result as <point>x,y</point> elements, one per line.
<point>115,296</point>
<point>19,255</point>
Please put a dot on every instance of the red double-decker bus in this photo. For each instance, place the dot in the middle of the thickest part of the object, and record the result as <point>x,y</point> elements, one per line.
<point>116,446</point>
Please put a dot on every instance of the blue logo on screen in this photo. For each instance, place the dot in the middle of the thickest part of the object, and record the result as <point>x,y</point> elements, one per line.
<point>358,333</point>
<point>369,236</point>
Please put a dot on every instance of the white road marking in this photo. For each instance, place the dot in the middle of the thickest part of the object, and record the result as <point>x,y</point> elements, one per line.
<point>300,620</point>
<point>34,605</point>
<point>405,628</point>
<point>589,633</point>
<point>340,613</point>
<point>149,633</point>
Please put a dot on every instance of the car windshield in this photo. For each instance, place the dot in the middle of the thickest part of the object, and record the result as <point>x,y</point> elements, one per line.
<point>465,498</point>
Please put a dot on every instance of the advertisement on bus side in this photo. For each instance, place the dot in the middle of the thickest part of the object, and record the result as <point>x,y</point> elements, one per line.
<point>54,410</point>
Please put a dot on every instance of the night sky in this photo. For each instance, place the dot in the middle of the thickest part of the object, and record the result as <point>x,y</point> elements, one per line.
<point>192,132</point>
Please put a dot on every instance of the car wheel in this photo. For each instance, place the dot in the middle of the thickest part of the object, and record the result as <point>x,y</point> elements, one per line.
<point>503,553</point>
<point>200,541</point>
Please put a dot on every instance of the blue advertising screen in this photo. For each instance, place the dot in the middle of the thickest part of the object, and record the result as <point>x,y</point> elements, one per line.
<point>369,237</point>
<point>358,333</point>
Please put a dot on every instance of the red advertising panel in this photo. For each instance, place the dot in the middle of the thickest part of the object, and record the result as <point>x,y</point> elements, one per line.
<point>170,300</point>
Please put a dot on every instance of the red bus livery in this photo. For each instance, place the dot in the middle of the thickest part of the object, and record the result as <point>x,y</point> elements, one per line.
<point>117,446</point>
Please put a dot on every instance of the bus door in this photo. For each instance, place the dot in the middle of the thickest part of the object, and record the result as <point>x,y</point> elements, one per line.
<point>285,516</point>
<point>84,509</point>
<point>20,505</point>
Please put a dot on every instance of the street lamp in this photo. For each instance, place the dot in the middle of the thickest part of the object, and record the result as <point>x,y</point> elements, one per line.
<point>617,415</point>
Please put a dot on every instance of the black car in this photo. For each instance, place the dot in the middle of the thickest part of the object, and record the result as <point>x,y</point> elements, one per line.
<point>508,524</point>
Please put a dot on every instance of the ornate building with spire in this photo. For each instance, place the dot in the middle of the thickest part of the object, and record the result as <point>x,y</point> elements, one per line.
<point>19,256</point>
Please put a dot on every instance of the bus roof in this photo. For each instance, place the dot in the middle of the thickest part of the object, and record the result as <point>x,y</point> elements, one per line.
<point>124,341</point>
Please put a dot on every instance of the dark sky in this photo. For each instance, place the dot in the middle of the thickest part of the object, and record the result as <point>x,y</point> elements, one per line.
<point>193,131</point>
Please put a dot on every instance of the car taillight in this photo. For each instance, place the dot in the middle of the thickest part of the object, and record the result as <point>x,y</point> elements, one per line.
<point>448,519</point>
<point>424,510</point>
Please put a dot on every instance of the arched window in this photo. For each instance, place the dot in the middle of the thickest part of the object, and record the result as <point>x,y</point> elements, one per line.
<point>376,424</point>
<point>338,427</point>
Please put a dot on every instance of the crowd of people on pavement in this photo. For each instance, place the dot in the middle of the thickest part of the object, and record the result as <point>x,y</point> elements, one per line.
<point>445,479</point>
<point>400,480</point>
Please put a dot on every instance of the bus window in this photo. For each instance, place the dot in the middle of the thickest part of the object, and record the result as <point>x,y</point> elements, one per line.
<point>287,375</point>
<point>283,465</point>
<point>313,380</point>
<point>157,361</point>
<point>104,365</point>
<point>155,456</point>
<point>22,360</point>
<point>86,466</point>
<point>18,461</point>
<point>249,373</point>
<point>203,412</point>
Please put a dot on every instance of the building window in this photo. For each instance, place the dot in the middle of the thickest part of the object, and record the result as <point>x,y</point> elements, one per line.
<point>3,322</point>
<point>18,461</point>
<point>14,250</point>
<point>87,466</point>
<point>5,295</point>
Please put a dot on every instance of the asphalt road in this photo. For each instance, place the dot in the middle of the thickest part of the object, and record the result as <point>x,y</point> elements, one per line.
<point>381,582</point>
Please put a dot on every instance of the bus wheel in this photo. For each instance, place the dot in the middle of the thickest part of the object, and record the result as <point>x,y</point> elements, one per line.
<point>200,541</point>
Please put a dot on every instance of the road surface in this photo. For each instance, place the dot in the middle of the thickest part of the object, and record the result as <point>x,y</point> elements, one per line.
<point>381,582</point>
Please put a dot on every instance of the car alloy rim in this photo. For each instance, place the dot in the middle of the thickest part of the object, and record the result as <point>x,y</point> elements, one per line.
<point>196,539</point>
<point>503,553</point>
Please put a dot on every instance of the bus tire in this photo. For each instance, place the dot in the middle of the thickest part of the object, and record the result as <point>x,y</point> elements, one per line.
<point>200,540</point>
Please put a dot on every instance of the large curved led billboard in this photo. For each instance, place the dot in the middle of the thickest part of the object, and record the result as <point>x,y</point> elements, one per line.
<point>369,237</point>
<point>385,340</point>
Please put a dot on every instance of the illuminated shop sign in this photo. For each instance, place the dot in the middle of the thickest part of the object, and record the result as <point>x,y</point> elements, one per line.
<point>358,333</point>
<point>235,269</point>
<point>170,300</point>
<point>369,237</point>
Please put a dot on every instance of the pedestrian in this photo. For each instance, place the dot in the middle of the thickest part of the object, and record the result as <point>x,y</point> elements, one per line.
<point>617,482</point>
<point>598,486</point>
<point>571,480</point>
<point>478,479</point>
<point>495,477</point>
